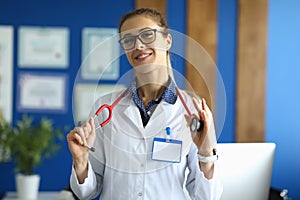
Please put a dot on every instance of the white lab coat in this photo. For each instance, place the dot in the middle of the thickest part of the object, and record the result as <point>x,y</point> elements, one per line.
<point>122,168</point>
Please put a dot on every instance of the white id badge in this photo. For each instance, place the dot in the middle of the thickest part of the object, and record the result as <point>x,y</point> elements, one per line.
<point>166,150</point>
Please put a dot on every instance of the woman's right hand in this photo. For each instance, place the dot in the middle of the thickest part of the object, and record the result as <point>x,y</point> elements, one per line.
<point>77,138</point>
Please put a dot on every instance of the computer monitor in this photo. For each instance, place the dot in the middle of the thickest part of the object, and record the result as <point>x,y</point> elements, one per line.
<point>245,170</point>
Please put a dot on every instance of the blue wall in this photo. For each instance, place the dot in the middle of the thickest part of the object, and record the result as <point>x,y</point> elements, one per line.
<point>226,63</point>
<point>283,81</point>
<point>74,15</point>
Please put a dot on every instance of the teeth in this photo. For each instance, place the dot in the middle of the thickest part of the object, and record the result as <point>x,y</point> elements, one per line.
<point>143,56</point>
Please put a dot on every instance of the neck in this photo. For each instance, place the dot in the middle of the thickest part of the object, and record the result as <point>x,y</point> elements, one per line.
<point>151,86</point>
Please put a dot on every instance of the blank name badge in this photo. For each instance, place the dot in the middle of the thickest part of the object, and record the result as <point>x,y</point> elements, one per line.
<point>166,150</point>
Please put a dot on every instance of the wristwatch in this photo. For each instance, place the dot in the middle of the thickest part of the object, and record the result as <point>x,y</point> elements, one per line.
<point>206,159</point>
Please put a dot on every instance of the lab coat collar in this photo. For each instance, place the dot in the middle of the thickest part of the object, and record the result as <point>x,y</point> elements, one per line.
<point>158,121</point>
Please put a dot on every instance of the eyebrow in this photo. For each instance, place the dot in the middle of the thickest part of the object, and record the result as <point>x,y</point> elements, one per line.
<point>141,30</point>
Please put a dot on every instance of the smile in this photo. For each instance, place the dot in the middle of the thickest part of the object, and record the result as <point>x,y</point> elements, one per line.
<point>142,56</point>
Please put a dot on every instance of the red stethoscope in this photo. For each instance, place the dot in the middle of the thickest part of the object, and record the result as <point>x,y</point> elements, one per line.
<point>195,125</point>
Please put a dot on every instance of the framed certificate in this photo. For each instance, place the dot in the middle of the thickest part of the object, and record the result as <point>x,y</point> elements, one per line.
<point>39,92</point>
<point>43,47</point>
<point>6,71</point>
<point>100,54</point>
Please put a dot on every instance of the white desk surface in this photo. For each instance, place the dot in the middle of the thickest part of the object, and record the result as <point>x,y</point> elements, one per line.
<point>41,196</point>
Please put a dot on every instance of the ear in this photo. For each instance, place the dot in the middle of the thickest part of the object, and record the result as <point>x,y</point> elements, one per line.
<point>169,41</point>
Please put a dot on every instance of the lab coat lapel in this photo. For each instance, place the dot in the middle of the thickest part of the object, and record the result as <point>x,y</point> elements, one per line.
<point>158,120</point>
<point>132,114</point>
<point>156,124</point>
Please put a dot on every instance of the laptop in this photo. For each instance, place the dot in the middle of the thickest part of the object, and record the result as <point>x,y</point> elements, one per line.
<point>245,170</point>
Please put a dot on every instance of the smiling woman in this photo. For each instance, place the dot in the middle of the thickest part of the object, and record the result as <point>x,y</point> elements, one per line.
<point>150,115</point>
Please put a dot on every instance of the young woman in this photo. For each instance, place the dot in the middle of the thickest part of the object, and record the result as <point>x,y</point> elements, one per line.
<point>135,157</point>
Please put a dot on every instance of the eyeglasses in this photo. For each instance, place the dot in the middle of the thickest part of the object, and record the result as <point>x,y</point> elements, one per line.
<point>146,37</point>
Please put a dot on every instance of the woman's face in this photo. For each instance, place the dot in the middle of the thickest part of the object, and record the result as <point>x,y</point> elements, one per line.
<point>144,51</point>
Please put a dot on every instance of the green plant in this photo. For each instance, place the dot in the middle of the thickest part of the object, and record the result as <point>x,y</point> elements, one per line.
<point>6,131</point>
<point>30,144</point>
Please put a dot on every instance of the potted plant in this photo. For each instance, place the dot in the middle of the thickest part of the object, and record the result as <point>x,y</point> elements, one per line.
<point>5,139</point>
<point>28,145</point>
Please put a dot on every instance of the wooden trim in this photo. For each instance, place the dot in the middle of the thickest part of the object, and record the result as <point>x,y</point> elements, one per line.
<point>202,27</point>
<point>251,70</point>
<point>159,5</point>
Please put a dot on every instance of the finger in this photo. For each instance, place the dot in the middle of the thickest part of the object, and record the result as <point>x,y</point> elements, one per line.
<point>71,133</point>
<point>73,136</point>
<point>188,119</point>
<point>197,104</point>
<point>87,127</point>
<point>206,108</point>
<point>202,114</point>
<point>78,138</point>
<point>92,124</point>
<point>198,108</point>
<point>207,111</point>
<point>86,132</point>
<point>204,105</point>
<point>81,133</point>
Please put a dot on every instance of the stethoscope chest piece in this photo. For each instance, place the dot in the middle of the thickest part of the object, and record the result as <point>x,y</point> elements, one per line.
<point>196,125</point>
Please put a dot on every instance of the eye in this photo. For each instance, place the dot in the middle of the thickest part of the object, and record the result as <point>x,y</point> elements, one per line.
<point>128,40</point>
<point>147,34</point>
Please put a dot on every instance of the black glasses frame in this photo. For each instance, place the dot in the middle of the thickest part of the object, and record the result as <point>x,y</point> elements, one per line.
<point>134,37</point>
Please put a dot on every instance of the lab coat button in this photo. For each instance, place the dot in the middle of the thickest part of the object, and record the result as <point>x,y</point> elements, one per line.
<point>140,194</point>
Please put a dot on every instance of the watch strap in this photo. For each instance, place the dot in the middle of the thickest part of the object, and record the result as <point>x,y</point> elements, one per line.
<point>206,159</point>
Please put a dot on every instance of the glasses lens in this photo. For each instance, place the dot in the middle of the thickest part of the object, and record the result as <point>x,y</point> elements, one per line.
<point>127,42</point>
<point>147,36</point>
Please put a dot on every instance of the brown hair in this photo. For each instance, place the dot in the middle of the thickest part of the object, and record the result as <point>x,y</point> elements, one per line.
<point>147,12</point>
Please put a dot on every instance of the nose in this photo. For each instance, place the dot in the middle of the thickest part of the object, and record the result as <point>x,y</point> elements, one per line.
<point>139,44</point>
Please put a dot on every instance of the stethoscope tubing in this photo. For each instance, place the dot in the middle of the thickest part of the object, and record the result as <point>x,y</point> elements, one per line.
<point>194,126</point>
<point>183,101</point>
<point>110,108</point>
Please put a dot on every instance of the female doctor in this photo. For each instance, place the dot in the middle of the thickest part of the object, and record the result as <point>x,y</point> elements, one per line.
<point>147,147</point>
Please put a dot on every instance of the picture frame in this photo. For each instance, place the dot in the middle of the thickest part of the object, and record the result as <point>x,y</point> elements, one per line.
<point>42,92</point>
<point>43,47</point>
<point>100,54</point>
<point>6,72</point>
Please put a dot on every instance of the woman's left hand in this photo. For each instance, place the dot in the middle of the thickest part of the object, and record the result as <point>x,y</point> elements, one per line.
<point>205,139</point>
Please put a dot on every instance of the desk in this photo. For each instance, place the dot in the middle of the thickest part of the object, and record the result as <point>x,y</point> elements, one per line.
<point>41,196</point>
